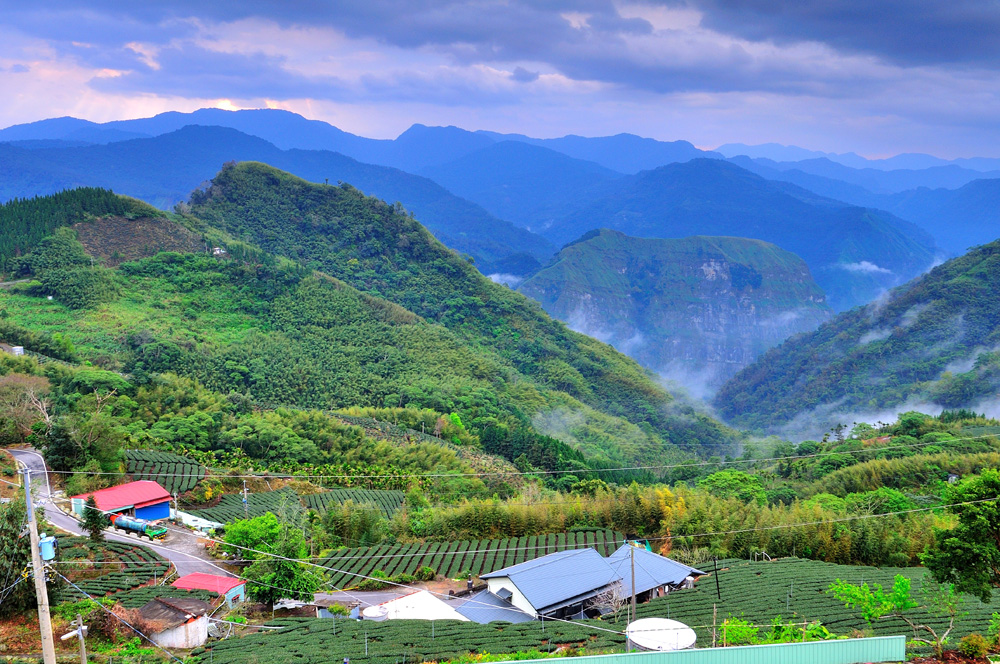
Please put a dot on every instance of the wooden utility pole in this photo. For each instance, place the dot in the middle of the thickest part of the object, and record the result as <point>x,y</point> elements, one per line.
<point>41,592</point>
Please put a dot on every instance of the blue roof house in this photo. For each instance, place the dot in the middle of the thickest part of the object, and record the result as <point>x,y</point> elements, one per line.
<point>566,584</point>
<point>558,585</point>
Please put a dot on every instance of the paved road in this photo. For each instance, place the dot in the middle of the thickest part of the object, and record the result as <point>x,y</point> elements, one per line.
<point>182,550</point>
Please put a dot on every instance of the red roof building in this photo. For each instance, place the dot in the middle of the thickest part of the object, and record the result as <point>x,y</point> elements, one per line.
<point>145,499</point>
<point>233,589</point>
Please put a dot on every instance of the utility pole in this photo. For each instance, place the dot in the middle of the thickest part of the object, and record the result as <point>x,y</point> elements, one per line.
<point>631,555</point>
<point>41,592</point>
<point>246,506</point>
<point>80,631</point>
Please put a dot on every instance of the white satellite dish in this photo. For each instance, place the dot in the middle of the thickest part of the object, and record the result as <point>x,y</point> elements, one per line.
<point>660,634</point>
<point>376,613</point>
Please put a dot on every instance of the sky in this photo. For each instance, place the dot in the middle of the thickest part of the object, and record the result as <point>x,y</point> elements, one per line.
<point>876,77</point>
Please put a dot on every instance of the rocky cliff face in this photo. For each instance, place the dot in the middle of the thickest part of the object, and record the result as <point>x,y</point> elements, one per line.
<point>696,309</point>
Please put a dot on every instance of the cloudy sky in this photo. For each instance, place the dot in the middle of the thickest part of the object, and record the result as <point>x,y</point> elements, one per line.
<point>878,77</point>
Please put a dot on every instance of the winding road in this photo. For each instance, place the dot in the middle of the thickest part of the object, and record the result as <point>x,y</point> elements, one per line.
<point>181,549</point>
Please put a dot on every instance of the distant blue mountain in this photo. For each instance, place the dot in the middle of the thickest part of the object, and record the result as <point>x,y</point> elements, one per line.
<point>905,161</point>
<point>417,148</point>
<point>165,169</point>
<point>854,253</point>
<point>528,185</point>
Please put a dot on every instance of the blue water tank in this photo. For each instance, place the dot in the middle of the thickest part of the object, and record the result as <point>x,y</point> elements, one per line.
<point>47,547</point>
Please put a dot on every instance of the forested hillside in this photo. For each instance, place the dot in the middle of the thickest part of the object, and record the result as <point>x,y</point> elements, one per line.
<point>247,322</point>
<point>933,341</point>
<point>382,251</point>
<point>853,253</point>
<point>696,309</point>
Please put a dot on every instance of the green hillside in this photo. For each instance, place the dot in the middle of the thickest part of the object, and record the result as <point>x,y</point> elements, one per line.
<point>853,253</point>
<point>381,251</point>
<point>704,306</point>
<point>246,322</point>
<point>932,341</point>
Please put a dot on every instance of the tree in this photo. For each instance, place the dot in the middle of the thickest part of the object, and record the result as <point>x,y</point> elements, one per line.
<point>260,533</point>
<point>735,484</point>
<point>94,520</point>
<point>273,577</point>
<point>968,555</point>
<point>610,600</point>
<point>875,603</point>
<point>15,559</point>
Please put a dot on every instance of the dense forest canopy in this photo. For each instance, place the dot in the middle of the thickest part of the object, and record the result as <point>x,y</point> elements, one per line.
<point>933,341</point>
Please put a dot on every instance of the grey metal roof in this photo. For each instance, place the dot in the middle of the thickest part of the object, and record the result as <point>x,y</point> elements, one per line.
<point>565,575</point>
<point>485,607</point>
<point>651,569</point>
<point>167,613</point>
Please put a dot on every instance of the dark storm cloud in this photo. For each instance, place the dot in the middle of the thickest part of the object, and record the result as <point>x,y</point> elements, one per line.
<point>189,70</point>
<point>907,32</point>
<point>585,40</point>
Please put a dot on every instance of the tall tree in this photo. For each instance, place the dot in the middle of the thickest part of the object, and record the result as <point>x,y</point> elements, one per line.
<point>968,555</point>
<point>94,520</point>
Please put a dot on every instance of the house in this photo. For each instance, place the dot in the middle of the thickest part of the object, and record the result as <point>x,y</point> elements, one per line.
<point>574,583</point>
<point>655,575</point>
<point>420,605</point>
<point>230,588</point>
<point>559,585</point>
<point>144,499</point>
<point>177,622</point>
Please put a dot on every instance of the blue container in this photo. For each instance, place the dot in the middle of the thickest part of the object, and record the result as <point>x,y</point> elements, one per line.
<point>47,546</point>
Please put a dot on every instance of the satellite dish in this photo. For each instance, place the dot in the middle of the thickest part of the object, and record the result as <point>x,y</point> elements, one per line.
<point>376,613</point>
<point>660,634</point>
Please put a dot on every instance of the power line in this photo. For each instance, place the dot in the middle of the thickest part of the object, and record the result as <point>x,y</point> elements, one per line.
<point>130,626</point>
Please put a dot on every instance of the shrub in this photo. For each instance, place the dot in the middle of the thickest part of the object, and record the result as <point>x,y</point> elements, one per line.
<point>375,582</point>
<point>974,645</point>
<point>426,573</point>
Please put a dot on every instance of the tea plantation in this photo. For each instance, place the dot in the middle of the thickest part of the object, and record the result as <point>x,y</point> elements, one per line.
<point>465,556</point>
<point>796,590</point>
<point>388,501</point>
<point>230,508</point>
<point>792,588</point>
<point>317,641</point>
<point>106,568</point>
<point>173,472</point>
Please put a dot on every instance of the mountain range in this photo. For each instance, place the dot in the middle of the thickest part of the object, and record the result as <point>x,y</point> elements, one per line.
<point>695,310</point>
<point>164,170</point>
<point>931,344</point>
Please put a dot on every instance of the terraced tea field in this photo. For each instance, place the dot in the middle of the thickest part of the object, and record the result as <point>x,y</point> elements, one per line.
<point>313,641</point>
<point>230,508</point>
<point>388,501</point>
<point>453,558</point>
<point>173,472</point>
<point>796,589</point>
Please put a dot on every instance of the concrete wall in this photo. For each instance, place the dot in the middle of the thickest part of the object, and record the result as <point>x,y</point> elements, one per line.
<point>189,635</point>
<point>841,651</point>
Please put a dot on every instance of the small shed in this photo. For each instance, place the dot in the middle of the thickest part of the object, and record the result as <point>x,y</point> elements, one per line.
<point>177,622</point>
<point>144,499</point>
<point>11,350</point>
<point>234,590</point>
